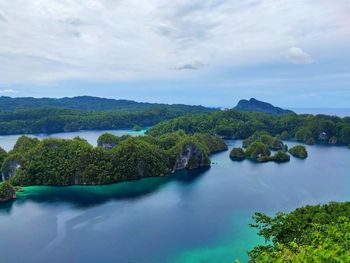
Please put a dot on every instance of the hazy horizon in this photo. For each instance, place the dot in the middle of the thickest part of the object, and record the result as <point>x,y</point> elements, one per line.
<point>289,53</point>
<point>341,112</point>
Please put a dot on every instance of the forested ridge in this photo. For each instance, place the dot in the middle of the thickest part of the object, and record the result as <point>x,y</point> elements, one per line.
<point>47,115</point>
<point>234,124</point>
<point>8,104</point>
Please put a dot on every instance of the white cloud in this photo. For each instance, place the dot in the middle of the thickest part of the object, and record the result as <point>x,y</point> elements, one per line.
<point>49,40</point>
<point>8,91</point>
<point>298,56</point>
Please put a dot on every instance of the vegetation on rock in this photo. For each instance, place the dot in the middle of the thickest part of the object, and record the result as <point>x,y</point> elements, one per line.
<point>108,140</point>
<point>257,150</point>
<point>3,155</point>
<point>273,143</point>
<point>285,135</point>
<point>237,154</point>
<point>298,151</point>
<point>65,162</point>
<point>7,191</point>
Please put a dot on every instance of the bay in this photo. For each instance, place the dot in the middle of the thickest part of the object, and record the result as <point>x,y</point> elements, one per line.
<point>189,216</point>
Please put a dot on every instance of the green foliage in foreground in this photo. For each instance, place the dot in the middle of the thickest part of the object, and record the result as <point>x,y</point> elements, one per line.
<point>298,151</point>
<point>241,125</point>
<point>64,162</point>
<point>318,233</point>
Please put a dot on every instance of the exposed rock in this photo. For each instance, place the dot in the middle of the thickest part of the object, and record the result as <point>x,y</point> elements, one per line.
<point>280,157</point>
<point>214,143</point>
<point>333,140</point>
<point>108,146</point>
<point>10,165</point>
<point>191,157</point>
<point>108,141</point>
<point>323,136</point>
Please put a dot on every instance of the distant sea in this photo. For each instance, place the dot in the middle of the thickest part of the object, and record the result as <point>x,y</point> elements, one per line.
<point>343,112</point>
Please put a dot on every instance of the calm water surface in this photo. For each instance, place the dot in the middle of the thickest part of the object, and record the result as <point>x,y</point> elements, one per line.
<point>199,216</point>
<point>8,141</point>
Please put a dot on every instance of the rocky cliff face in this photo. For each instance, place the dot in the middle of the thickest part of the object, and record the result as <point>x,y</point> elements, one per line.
<point>10,167</point>
<point>107,146</point>
<point>191,157</point>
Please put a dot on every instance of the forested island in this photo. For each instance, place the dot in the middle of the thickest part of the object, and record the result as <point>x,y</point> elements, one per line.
<point>48,115</point>
<point>234,124</point>
<point>258,148</point>
<point>254,105</point>
<point>67,162</point>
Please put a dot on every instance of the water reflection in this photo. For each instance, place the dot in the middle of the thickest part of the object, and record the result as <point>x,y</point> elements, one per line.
<point>82,196</point>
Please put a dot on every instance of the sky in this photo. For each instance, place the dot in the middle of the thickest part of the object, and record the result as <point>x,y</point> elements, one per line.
<point>292,53</point>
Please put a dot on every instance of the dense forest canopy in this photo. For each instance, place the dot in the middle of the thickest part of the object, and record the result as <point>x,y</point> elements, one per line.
<point>66,162</point>
<point>8,104</point>
<point>319,233</point>
<point>62,120</point>
<point>240,125</point>
<point>47,115</point>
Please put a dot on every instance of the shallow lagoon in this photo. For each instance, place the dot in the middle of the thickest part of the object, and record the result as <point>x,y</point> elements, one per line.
<point>198,216</point>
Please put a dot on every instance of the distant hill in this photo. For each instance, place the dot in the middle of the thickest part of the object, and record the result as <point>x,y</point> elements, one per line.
<point>90,103</point>
<point>259,106</point>
<point>48,115</point>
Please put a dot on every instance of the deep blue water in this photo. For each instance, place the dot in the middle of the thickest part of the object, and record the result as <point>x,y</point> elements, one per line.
<point>198,216</point>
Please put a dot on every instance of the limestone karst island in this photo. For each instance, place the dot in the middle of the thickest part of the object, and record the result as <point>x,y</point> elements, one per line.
<point>174,131</point>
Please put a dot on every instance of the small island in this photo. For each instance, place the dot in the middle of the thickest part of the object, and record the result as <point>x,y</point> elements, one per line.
<point>298,151</point>
<point>237,154</point>
<point>259,147</point>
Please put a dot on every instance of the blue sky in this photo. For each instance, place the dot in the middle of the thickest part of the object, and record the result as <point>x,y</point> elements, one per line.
<point>291,53</point>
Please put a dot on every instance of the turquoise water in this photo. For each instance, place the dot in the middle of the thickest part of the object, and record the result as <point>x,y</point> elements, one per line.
<point>197,216</point>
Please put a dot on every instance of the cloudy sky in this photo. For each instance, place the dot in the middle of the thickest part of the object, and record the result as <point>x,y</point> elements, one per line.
<point>293,53</point>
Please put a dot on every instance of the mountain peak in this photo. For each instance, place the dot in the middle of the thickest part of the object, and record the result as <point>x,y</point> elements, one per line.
<point>259,106</point>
